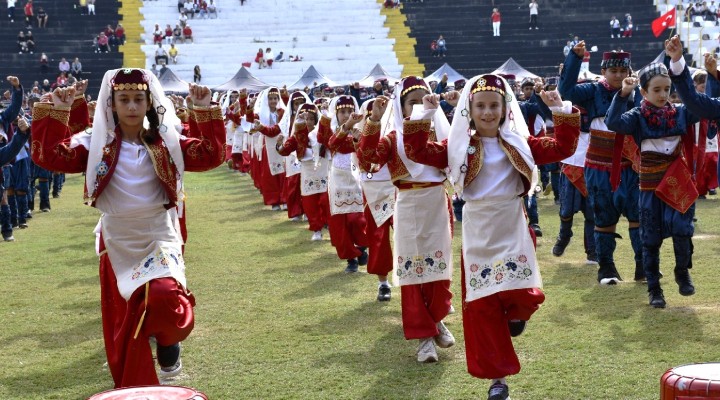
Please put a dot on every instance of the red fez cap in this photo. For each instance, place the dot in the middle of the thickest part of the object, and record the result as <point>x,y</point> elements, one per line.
<point>411,83</point>
<point>488,83</point>
<point>615,59</point>
<point>274,90</point>
<point>130,79</point>
<point>307,107</point>
<point>459,83</point>
<point>345,101</point>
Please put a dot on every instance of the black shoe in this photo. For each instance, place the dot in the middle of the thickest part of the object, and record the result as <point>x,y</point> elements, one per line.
<point>702,197</point>
<point>608,275</point>
<point>517,327</point>
<point>560,244</point>
<point>498,391</point>
<point>363,259</point>
<point>712,192</point>
<point>657,300</point>
<point>639,273</point>
<point>591,259</point>
<point>352,266</point>
<point>384,293</point>
<point>55,195</point>
<point>168,356</point>
<point>685,284</point>
<point>536,229</point>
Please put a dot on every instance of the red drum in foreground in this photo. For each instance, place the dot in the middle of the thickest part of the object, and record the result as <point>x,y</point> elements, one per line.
<point>151,393</point>
<point>691,382</point>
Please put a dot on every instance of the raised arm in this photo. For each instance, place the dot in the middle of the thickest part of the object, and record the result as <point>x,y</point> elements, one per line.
<point>205,150</point>
<point>10,150</point>
<point>617,118</point>
<point>566,120</point>
<point>568,86</point>
<point>52,146</point>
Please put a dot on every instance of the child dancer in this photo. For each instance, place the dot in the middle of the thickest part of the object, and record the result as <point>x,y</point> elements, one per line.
<point>268,111</point>
<point>134,176</point>
<point>491,156</point>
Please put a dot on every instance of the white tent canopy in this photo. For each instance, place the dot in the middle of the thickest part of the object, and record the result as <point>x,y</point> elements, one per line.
<point>243,79</point>
<point>171,83</point>
<point>511,67</point>
<point>378,73</point>
<point>312,78</point>
<point>445,69</point>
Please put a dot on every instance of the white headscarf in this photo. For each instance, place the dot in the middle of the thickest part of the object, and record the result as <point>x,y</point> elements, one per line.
<point>103,130</point>
<point>514,130</point>
<point>262,109</point>
<point>332,112</point>
<point>284,123</point>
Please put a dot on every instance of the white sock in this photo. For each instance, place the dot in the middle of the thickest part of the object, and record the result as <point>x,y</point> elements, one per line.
<point>500,380</point>
<point>383,283</point>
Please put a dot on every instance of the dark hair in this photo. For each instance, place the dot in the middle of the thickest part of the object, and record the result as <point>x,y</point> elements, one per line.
<point>404,97</point>
<point>152,133</point>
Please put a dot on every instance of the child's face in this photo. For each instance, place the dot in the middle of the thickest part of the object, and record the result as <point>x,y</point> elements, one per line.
<point>343,115</point>
<point>310,121</point>
<point>527,91</point>
<point>411,99</point>
<point>615,76</point>
<point>273,101</point>
<point>674,98</point>
<point>487,109</point>
<point>700,87</point>
<point>130,106</point>
<point>658,91</point>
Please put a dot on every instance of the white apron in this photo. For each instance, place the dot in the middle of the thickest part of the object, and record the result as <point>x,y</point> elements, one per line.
<point>143,247</point>
<point>275,160</point>
<point>498,252</point>
<point>314,177</point>
<point>292,165</point>
<point>423,246</point>
<point>380,198</point>
<point>343,189</point>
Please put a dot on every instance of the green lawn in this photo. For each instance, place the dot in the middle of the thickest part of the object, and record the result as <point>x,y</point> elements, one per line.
<point>277,318</point>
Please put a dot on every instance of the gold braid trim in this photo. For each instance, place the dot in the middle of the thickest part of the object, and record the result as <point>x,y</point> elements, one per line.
<point>475,161</point>
<point>516,160</point>
<point>200,115</point>
<point>161,162</point>
<point>568,119</point>
<point>61,115</point>
<point>41,110</point>
<point>371,128</point>
<point>412,127</point>
<point>216,113</point>
<point>37,148</point>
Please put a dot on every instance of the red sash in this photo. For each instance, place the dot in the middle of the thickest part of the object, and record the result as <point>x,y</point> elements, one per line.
<point>677,187</point>
<point>576,176</point>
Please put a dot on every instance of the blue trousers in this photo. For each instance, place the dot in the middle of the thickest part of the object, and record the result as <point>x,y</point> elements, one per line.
<point>572,202</point>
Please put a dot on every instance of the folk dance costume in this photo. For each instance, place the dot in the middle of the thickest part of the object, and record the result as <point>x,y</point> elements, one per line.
<point>611,164</point>
<point>422,222</point>
<point>271,168</point>
<point>574,197</point>
<point>500,276</point>
<point>313,171</point>
<point>667,190</point>
<point>291,189</point>
<point>240,152</point>
<point>12,143</point>
<point>347,221</point>
<point>707,178</point>
<point>379,194</point>
<point>230,127</point>
<point>142,270</point>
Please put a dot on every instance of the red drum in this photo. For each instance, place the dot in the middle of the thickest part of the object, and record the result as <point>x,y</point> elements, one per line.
<point>691,382</point>
<point>151,393</point>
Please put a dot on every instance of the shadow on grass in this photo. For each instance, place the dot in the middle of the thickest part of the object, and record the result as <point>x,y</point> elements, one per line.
<point>73,335</point>
<point>40,382</point>
<point>87,281</point>
<point>338,282</point>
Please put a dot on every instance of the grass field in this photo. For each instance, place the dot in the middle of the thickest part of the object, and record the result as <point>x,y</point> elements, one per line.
<point>277,318</point>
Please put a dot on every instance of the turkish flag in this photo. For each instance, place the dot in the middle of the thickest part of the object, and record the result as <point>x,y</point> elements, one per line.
<point>665,21</point>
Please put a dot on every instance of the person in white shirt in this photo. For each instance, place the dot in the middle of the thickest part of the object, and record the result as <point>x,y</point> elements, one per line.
<point>533,14</point>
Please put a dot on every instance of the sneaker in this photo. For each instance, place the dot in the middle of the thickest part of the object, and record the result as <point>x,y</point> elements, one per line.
<point>317,236</point>
<point>296,219</point>
<point>363,259</point>
<point>23,225</point>
<point>275,208</point>
<point>384,293</point>
<point>426,352</point>
<point>29,214</point>
<point>657,300</point>
<point>712,192</point>
<point>283,207</point>
<point>608,275</point>
<point>560,244</point>
<point>170,372</point>
<point>685,284</point>
<point>9,238</point>
<point>451,310</point>
<point>169,359</point>
<point>499,391</point>
<point>639,273</point>
<point>352,266</point>
<point>591,259</point>
<point>517,327</point>
<point>445,338</point>
<point>536,229</point>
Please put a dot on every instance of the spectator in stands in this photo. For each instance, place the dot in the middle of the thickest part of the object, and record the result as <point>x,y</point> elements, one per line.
<point>533,14</point>
<point>46,87</point>
<point>614,27</point>
<point>161,56</point>
<point>173,52</point>
<point>91,7</point>
<point>44,63</point>
<point>177,34</point>
<point>269,57</point>
<point>83,7</point>
<point>154,70</point>
<point>190,8</point>
<point>295,58</point>
<point>690,12</point>
<point>203,8</point>
<point>575,41</point>
<point>61,80</point>
<point>181,5</point>
<point>212,8</point>
<point>567,49</point>
<point>63,65</point>
<point>242,2</point>
<point>120,34</point>
<point>157,35</point>
<point>183,18</point>
<point>30,42</point>
<point>76,68</point>
<point>701,9</point>
<point>71,80</point>
<point>168,34</point>
<point>712,11</point>
<point>102,43</point>
<point>628,26</point>
<point>42,18</point>
<point>260,59</point>
<point>11,10</point>
<point>280,57</point>
<point>496,18</point>
<point>188,34</point>
<point>112,39</point>
<point>433,48</point>
<point>29,14</point>
<point>441,46</point>
<point>22,42</point>
<point>197,77</point>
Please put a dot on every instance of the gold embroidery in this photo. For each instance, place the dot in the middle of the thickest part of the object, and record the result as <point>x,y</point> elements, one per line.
<point>568,119</point>
<point>216,113</point>
<point>200,116</point>
<point>62,116</point>
<point>37,149</point>
<point>412,127</point>
<point>516,160</point>
<point>548,143</point>
<point>163,168</point>
<point>475,161</point>
<point>371,128</point>
<point>41,110</point>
